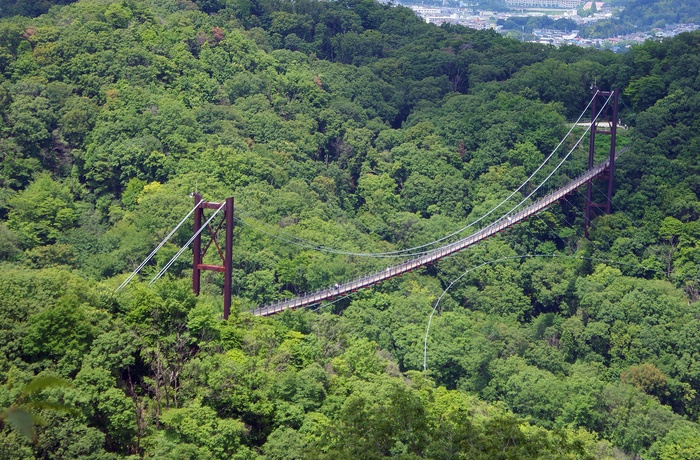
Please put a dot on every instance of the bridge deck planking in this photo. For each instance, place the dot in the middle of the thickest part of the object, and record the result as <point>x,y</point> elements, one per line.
<point>435,255</point>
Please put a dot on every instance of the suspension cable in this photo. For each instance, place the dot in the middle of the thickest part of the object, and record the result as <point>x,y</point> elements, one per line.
<point>153,253</point>
<point>410,251</point>
<point>179,253</point>
<point>562,160</point>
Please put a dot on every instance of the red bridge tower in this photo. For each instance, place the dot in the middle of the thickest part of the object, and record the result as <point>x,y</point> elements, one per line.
<point>609,127</point>
<point>226,255</point>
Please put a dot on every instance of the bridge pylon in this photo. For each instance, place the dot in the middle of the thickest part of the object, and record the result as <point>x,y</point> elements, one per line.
<point>607,119</point>
<point>225,254</point>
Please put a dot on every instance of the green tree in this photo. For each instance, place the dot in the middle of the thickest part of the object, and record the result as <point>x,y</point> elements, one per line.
<point>199,426</point>
<point>21,414</point>
<point>40,212</point>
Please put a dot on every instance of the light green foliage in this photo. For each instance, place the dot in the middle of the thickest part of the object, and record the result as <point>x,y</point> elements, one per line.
<point>69,438</point>
<point>50,255</point>
<point>199,425</point>
<point>535,393</point>
<point>58,330</point>
<point>363,421</point>
<point>31,301</point>
<point>118,15</point>
<point>284,444</point>
<point>638,421</point>
<point>680,442</point>
<point>585,405</point>
<point>22,414</point>
<point>40,212</point>
<point>297,350</point>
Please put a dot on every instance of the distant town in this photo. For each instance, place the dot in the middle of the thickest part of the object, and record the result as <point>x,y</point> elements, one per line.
<point>579,12</point>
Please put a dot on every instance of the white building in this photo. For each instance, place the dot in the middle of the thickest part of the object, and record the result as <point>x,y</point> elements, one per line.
<point>424,11</point>
<point>544,3</point>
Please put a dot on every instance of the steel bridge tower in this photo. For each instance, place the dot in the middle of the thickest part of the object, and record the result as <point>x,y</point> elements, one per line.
<point>226,255</point>
<point>610,118</point>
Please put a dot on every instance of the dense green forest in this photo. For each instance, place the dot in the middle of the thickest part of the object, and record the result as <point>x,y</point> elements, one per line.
<point>350,125</point>
<point>643,15</point>
<point>635,16</point>
<point>29,8</point>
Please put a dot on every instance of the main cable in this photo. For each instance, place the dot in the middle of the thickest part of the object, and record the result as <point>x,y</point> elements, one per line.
<point>484,232</point>
<point>562,160</point>
<point>409,251</point>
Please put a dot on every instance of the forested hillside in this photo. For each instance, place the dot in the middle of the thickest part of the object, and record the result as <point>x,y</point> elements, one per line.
<point>639,15</point>
<point>29,8</point>
<point>354,126</point>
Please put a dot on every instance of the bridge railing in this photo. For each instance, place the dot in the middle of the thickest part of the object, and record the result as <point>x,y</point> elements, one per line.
<point>434,255</point>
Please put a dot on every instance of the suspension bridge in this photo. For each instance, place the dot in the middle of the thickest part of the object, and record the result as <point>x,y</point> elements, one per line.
<point>436,254</point>
<point>508,219</point>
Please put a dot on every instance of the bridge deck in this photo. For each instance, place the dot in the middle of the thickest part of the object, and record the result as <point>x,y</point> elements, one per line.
<point>432,256</point>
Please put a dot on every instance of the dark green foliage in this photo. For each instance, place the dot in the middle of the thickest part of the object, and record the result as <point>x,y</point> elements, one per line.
<point>29,7</point>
